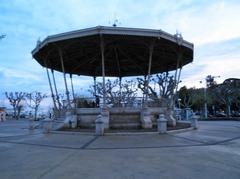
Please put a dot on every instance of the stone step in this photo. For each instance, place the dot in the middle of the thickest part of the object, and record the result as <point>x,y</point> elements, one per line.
<point>132,125</point>
<point>124,120</point>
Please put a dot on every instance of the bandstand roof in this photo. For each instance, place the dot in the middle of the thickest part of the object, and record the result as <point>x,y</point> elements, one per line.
<point>126,51</point>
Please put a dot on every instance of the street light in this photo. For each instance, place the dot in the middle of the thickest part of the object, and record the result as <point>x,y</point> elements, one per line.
<point>179,101</point>
<point>2,36</point>
<point>205,100</point>
<point>208,78</point>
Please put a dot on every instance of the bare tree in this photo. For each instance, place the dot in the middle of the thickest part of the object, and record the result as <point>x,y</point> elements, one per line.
<point>34,100</point>
<point>166,85</point>
<point>128,92</point>
<point>116,92</point>
<point>165,88</point>
<point>142,85</point>
<point>15,99</point>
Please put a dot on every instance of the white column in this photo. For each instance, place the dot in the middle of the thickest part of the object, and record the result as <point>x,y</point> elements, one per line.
<point>120,90</point>
<point>94,86</point>
<point>103,69</point>
<point>104,112</point>
<point>73,94</point>
<point>64,76</point>
<point>149,68</point>
<point>56,91</point>
<point>50,85</point>
<point>72,86</point>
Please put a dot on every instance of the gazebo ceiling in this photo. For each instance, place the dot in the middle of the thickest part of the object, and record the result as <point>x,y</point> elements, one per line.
<point>126,51</point>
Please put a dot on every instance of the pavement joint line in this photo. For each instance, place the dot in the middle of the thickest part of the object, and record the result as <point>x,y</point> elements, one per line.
<point>23,135</point>
<point>55,166</point>
<point>102,148</point>
<point>147,133</point>
<point>72,133</point>
<point>218,130</point>
<point>41,145</point>
<point>84,147</point>
<point>192,140</point>
<point>121,133</point>
<point>89,142</point>
<point>145,147</point>
<point>225,141</point>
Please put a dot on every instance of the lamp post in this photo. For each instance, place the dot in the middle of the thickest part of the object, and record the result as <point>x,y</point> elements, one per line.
<point>179,100</point>
<point>2,36</point>
<point>205,103</point>
<point>209,81</point>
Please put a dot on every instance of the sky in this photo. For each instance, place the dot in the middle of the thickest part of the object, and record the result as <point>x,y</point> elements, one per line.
<point>213,26</point>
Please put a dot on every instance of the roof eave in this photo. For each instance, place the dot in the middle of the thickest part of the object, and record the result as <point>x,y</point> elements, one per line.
<point>110,31</point>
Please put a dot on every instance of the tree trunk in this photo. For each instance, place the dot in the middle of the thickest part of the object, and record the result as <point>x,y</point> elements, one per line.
<point>35,113</point>
<point>228,110</point>
<point>18,112</point>
<point>15,113</point>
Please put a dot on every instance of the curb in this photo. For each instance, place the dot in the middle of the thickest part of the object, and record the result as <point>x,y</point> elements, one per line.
<point>123,133</point>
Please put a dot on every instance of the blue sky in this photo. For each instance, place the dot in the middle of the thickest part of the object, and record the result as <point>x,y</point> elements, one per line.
<point>213,27</point>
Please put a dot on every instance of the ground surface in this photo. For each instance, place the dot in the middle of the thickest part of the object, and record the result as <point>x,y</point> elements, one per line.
<point>212,151</point>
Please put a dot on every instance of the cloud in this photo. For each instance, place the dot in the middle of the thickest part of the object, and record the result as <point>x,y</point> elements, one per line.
<point>213,58</point>
<point>16,73</point>
<point>200,23</point>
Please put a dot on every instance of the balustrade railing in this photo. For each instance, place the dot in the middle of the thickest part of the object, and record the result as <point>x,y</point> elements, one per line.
<point>136,102</point>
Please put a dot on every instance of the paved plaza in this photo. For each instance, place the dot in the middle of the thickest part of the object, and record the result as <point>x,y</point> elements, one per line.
<point>212,151</point>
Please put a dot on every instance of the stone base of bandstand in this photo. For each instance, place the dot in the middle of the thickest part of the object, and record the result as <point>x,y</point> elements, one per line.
<point>171,119</point>
<point>70,120</point>
<point>118,118</point>
<point>105,117</point>
<point>146,119</point>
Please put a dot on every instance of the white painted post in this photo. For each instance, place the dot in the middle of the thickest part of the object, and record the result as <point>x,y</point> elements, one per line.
<point>162,124</point>
<point>146,118</point>
<point>99,129</point>
<point>194,123</point>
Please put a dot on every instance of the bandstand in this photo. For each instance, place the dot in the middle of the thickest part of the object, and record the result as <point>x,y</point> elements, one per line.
<point>113,52</point>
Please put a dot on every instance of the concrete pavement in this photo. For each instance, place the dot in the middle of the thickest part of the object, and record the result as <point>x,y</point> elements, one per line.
<point>212,151</point>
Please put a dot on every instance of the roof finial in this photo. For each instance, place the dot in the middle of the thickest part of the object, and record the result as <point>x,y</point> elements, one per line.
<point>179,37</point>
<point>38,42</point>
<point>116,21</point>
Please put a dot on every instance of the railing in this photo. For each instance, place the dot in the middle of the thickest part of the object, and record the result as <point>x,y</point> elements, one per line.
<point>135,102</point>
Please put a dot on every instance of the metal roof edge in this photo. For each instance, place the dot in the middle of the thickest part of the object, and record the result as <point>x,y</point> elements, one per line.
<point>110,30</point>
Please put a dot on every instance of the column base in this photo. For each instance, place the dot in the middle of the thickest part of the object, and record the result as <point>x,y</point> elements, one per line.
<point>105,117</point>
<point>146,119</point>
<point>171,120</point>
